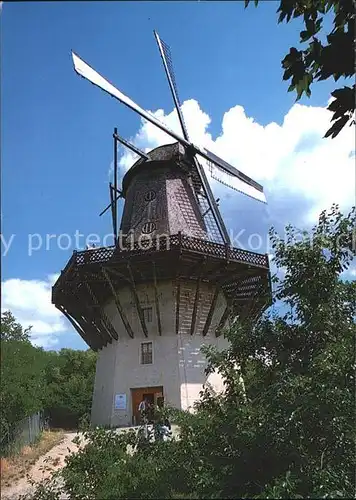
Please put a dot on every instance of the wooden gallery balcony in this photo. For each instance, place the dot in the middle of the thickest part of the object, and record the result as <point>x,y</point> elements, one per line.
<point>93,277</point>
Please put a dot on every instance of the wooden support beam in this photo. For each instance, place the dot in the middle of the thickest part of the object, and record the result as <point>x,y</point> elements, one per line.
<point>106,323</point>
<point>241,277</point>
<point>196,267</point>
<point>178,278</point>
<point>217,270</point>
<point>156,299</point>
<point>118,305</point>
<point>87,313</point>
<point>211,311</point>
<point>195,307</point>
<point>177,304</point>
<point>99,323</point>
<point>255,303</point>
<point>88,327</point>
<point>122,276</point>
<point>109,326</point>
<point>117,273</point>
<point>222,321</point>
<point>95,317</point>
<point>101,316</point>
<point>196,298</point>
<point>88,324</point>
<point>137,301</point>
<point>78,328</point>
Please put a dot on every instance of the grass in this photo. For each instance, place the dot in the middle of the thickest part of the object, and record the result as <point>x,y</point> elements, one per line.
<point>17,466</point>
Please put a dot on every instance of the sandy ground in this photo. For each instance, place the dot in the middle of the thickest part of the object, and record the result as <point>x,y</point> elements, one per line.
<point>54,459</point>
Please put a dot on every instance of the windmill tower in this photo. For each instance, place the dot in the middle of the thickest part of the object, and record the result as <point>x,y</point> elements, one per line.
<point>171,282</point>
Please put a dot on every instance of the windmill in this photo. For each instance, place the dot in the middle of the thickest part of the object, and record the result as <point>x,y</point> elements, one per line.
<point>204,196</point>
<point>148,305</point>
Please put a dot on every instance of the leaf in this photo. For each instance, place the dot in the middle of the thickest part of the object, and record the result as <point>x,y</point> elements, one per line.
<point>337,127</point>
<point>248,1</point>
<point>304,35</point>
<point>321,62</point>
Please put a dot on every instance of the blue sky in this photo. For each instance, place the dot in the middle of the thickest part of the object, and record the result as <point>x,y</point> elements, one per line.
<point>56,128</point>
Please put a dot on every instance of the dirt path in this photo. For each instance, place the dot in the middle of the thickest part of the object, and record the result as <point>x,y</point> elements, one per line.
<point>54,459</point>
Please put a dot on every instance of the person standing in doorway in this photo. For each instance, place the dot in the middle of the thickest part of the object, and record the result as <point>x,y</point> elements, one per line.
<point>142,408</point>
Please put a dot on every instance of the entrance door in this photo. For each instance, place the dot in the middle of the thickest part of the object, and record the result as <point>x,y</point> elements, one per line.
<point>151,394</point>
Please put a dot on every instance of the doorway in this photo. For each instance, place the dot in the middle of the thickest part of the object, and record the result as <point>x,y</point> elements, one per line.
<point>153,395</point>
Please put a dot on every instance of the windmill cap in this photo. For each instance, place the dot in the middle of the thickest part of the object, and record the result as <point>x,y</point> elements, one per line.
<point>167,152</point>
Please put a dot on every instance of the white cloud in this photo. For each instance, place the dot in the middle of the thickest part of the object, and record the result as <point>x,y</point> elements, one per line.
<point>350,273</point>
<point>30,303</point>
<point>291,159</point>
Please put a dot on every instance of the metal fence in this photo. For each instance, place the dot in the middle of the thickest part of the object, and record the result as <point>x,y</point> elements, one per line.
<point>23,433</point>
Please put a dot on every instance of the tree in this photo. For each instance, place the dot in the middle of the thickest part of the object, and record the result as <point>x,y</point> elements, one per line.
<point>294,435</point>
<point>33,379</point>
<point>69,386</point>
<point>334,58</point>
<point>10,329</point>
<point>22,382</point>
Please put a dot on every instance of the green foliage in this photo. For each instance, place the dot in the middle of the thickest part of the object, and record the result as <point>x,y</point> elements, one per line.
<point>22,382</point>
<point>10,329</point>
<point>288,430</point>
<point>69,386</point>
<point>61,383</point>
<point>319,61</point>
<point>107,467</point>
<point>113,464</point>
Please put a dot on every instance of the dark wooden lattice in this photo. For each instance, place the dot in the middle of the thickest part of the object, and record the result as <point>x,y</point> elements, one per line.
<point>82,289</point>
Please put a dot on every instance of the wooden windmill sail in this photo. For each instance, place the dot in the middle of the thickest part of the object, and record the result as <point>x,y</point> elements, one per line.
<point>204,196</point>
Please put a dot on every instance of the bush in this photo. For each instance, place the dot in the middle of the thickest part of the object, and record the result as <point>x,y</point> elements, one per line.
<point>69,377</point>
<point>22,382</point>
<point>110,466</point>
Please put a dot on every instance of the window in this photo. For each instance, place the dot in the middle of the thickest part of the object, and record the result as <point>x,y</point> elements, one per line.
<point>150,195</point>
<point>146,353</point>
<point>148,227</point>
<point>147,314</point>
